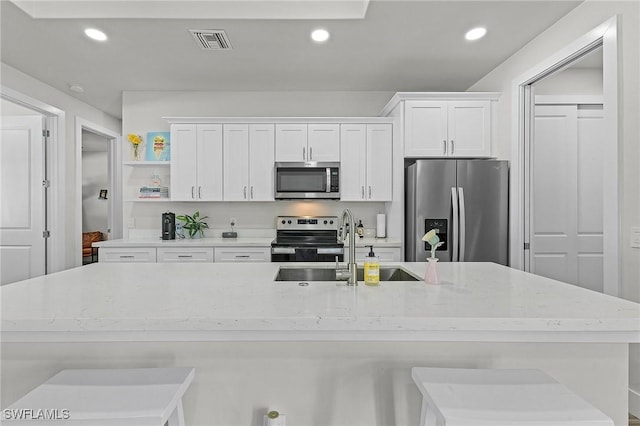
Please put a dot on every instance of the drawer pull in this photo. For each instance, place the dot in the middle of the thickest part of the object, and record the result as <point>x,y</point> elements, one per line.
<point>242,256</point>
<point>186,256</point>
<point>126,256</point>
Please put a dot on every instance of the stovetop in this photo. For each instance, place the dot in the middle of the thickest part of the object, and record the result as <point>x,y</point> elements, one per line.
<point>307,231</point>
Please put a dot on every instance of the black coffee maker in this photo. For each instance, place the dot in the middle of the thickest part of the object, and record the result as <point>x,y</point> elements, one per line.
<point>168,226</point>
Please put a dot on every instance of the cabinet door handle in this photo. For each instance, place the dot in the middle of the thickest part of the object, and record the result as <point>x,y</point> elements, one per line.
<point>186,256</point>
<point>193,193</point>
<point>452,146</point>
<point>444,147</point>
<point>129,256</point>
<point>310,153</point>
<point>199,192</point>
<point>242,256</point>
<point>304,153</point>
<point>252,192</point>
<point>245,192</point>
<point>369,191</point>
<point>362,190</point>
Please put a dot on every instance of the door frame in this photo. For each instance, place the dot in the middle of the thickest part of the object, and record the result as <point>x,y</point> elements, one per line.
<point>115,182</point>
<point>605,35</point>
<point>55,168</point>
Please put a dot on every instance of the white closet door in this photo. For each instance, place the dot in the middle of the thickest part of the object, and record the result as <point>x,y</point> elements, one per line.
<point>566,196</point>
<point>22,218</point>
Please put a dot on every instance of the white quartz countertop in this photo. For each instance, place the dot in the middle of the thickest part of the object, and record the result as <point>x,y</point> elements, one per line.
<point>227,301</point>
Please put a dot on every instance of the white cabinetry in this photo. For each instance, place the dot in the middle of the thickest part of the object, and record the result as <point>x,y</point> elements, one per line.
<point>243,254</point>
<point>191,254</point>
<point>196,162</point>
<point>122,254</point>
<point>366,162</point>
<point>307,142</point>
<point>248,162</point>
<point>459,128</point>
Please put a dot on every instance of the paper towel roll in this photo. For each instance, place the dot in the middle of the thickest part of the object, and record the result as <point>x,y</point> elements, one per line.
<point>381,229</point>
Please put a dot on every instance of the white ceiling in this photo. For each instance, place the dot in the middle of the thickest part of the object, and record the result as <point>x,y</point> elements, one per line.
<point>399,46</point>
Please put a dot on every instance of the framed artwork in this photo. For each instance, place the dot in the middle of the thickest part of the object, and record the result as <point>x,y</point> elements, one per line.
<point>103,194</point>
<point>158,146</point>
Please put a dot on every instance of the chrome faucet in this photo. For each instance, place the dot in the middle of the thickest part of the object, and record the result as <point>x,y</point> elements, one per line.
<point>350,273</point>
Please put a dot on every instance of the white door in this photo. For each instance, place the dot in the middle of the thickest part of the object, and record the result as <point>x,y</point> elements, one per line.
<point>183,160</point>
<point>425,129</point>
<point>22,219</point>
<point>236,162</point>
<point>379,161</point>
<point>209,162</point>
<point>566,196</point>
<point>469,129</point>
<point>261,159</point>
<point>353,159</point>
<point>291,142</point>
<point>324,142</point>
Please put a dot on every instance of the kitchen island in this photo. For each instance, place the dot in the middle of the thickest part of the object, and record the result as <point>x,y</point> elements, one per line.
<point>322,353</point>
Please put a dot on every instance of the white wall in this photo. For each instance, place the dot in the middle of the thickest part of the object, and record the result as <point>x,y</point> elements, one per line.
<point>27,85</point>
<point>571,27</point>
<point>572,82</point>
<point>144,112</point>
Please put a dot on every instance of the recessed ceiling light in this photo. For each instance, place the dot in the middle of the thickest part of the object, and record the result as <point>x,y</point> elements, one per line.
<point>475,33</point>
<point>320,35</point>
<point>94,34</point>
<point>76,88</point>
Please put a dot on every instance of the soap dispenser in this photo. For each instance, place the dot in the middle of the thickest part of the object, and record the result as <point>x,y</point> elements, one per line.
<point>371,268</point>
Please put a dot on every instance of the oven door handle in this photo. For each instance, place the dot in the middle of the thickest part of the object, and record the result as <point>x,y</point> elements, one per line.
<point>331,250</point>
<point>283,250</point>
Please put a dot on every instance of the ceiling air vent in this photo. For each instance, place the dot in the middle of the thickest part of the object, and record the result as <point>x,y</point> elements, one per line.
<point>211,39</point>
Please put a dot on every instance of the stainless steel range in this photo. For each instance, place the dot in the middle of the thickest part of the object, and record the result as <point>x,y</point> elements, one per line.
<point>307,239</point>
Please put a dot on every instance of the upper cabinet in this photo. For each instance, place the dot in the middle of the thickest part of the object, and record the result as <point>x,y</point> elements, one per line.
<point>445,124</point>
<point>307,142</point>
<point>196,163</point>
<point>447,129</point>
<point>248,162</point>
<point>365,165</point>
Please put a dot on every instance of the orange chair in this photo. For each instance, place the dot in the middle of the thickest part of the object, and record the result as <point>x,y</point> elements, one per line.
<point>87,250</point>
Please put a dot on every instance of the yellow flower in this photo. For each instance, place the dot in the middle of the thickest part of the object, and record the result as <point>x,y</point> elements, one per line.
<point>134,139</point>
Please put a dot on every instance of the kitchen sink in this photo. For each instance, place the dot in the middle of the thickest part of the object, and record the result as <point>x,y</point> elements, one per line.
<point>328,274</point>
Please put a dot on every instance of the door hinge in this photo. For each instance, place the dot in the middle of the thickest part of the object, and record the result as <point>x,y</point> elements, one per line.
<point>46,183</point>
<point>46,234</point>
<point>526,246</point>
<point>46,133</point>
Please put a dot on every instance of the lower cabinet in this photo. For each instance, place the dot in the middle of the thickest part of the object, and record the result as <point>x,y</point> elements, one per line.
<point>179,254</point>
<point>386,254</point>
<point>122,254</point>
<point>243,254</point>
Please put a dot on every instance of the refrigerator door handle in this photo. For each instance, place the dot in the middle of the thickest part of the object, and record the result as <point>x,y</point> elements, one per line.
<point>454,237</point>
<point>462,226</point>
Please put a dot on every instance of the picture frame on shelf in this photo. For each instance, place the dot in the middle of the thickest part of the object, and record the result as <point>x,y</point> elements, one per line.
<point>158,146</point>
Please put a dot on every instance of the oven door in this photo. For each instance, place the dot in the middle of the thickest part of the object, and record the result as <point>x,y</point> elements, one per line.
<point>306,180</point>
<point>307,254</point>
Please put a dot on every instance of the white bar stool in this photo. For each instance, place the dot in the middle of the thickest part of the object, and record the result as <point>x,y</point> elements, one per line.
<point>480,397</point>
<point>106,397</point>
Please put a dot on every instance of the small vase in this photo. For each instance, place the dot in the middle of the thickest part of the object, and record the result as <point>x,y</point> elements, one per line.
<point>431,276</point>
<point>135,152</point>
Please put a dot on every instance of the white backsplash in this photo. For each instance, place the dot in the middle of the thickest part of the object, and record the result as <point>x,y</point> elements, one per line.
<point>252,218</point>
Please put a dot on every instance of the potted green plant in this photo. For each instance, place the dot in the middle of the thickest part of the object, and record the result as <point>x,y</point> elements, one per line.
<point>194,224</point>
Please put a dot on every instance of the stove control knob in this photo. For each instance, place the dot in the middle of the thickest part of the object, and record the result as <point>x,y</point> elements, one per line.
<point>283,221</point>
<point>331,222</point>
<point>289,222</point>
<point>325,222</point>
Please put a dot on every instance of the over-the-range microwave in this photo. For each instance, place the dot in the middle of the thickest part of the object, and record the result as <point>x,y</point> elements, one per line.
<point>310,180</point>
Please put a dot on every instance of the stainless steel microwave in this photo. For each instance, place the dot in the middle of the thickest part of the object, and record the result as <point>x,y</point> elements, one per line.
<point>311,180</point>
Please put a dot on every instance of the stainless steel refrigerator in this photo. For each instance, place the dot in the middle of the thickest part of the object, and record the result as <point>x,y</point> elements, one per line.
<point>466,201</point>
